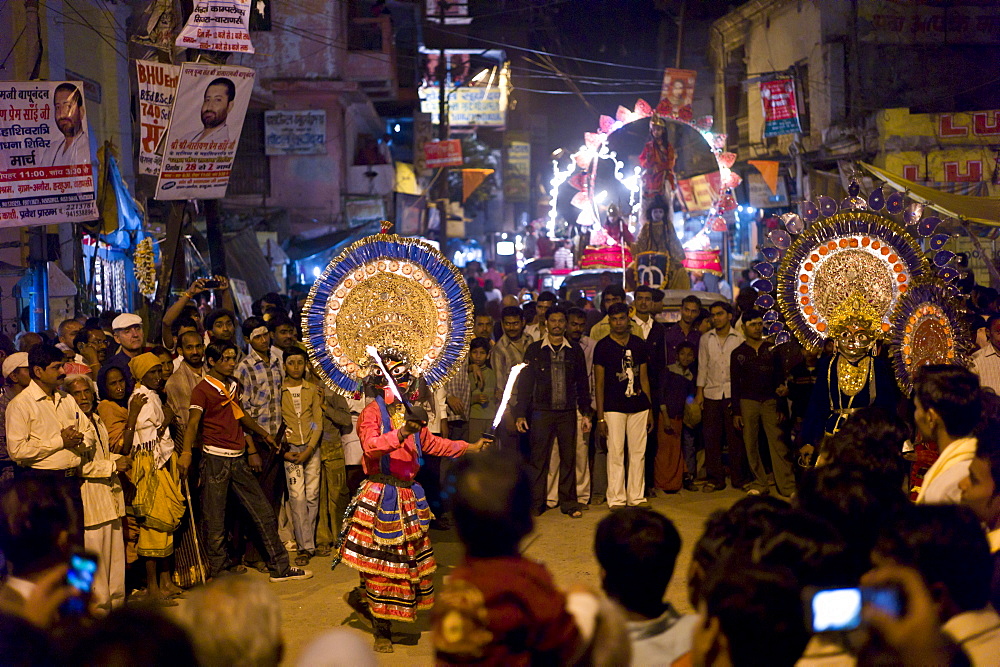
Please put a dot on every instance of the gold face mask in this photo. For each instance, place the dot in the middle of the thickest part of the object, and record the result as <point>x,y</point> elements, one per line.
<point>854,342</point>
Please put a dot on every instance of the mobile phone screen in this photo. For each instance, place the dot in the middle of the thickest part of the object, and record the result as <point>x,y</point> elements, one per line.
<point>82,569</point>
<point>836,609</point>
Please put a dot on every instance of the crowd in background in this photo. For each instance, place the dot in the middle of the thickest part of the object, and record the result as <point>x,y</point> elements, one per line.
<point>190,454</point>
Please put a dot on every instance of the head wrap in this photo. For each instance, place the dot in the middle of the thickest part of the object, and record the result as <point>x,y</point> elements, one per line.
<point>13,362</point>
<point>142,364</point>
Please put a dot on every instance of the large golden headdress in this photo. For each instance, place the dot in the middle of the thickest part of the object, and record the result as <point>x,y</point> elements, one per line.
<point>394,293</point>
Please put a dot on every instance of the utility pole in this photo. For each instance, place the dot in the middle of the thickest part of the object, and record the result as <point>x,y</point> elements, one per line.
<point>443,129</point>
<point>680,34</point>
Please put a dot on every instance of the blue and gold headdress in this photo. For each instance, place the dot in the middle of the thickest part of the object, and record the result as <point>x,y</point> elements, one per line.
<point>390,292</point>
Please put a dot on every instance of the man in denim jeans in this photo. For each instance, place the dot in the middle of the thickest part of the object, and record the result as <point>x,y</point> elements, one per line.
<point>225,463</point>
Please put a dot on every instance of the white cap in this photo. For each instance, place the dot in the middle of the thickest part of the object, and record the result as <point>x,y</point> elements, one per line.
<point>125,320</point>
<point>13,362</point>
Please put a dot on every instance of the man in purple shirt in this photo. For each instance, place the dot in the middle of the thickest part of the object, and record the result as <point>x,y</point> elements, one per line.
<point>684,329</point>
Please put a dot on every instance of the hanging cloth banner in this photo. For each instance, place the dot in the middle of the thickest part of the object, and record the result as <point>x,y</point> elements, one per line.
<point>205,124</point>
<point>769,170</point>
<point>218,25</point>
<point>46,167</point>
<point>157,87</point>
<point>472,179</point>
<point>781,111</point>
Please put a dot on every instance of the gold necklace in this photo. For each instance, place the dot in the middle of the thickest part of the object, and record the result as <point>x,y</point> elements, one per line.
<point>852,379</point>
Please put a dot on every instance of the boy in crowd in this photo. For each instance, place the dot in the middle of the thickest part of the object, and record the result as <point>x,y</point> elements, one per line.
<point>483,388</point>
<point>302,413</point>
<point>637,549</point>
<point>675,462</point>
<point>948,405</point>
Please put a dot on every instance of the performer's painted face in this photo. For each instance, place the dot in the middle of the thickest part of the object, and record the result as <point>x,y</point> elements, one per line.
<point>399,370</point>
<point>855,342</point>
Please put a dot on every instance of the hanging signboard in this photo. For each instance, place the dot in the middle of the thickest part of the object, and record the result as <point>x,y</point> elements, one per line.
<point>205,124</point>
<point>218,25</point>
<point>46,171</point>
<point>478,106</point>
<point>360,211</point>
<point>447,153</point>
<point>781,112</point>
<point>157,87</point>
<point>517,167</point>
<point>295,132</point>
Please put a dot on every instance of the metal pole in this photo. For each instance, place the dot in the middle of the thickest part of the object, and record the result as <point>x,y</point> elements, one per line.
<point>443,129</point>
<point>680,34</point>
<point>213,232</point>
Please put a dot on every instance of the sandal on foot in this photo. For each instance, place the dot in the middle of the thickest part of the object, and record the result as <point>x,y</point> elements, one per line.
<point>303,558</point>
<point>575,514</point>
<point>383,635</point>
<point>323,552</point>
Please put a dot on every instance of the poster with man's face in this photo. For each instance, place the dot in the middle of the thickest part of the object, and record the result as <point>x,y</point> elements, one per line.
<point>678,87</point>
<point>205,125</point>
<point>46,174</point>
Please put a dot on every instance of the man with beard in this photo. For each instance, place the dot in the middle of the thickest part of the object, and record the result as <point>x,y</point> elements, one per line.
<point>507,353</point>
<point>189,373</point>
<point>46,430</point>
<point>75,146</point>
<point>215,108</point>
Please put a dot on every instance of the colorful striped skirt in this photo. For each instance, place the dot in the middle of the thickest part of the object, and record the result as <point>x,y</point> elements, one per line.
<point>385,538</point>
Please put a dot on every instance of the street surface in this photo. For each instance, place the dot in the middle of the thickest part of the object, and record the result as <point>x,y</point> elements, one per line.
<point>564,545</point>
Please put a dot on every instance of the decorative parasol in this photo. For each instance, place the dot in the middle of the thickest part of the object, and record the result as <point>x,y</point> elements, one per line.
<point>388,292</point>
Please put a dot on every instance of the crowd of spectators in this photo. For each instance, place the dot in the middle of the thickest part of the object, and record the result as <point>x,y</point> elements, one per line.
<point>184,457</point>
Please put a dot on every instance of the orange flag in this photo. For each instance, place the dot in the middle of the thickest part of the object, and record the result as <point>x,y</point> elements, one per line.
<point>472,179</point>
<point>769,170</point>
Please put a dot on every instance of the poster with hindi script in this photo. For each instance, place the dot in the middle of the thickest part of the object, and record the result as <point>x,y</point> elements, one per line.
<point>218,25</point>
<point>157,86</point>
<point>781,111</point>
<point>205,124</point>
<point>46,171</point>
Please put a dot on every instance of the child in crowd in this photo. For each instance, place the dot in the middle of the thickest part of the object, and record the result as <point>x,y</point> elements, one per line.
<point>302,413</point>
<point>158,505</point>
<point>482,385</point>
<point>672,467</point>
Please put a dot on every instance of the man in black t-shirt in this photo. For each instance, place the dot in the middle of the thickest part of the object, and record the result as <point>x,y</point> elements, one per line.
<point>622,387</point>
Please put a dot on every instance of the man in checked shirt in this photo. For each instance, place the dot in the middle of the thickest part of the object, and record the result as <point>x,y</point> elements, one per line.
<point>261,374</point>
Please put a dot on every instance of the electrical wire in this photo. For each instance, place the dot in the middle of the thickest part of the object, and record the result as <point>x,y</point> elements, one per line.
<point>514,47</point>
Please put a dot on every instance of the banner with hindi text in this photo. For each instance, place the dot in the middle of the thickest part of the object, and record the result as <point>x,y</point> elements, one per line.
<point>781,111</point>
<point>218,25</point>
<point>205,125</point>
<point>46,166</point>
<point>157,87</point>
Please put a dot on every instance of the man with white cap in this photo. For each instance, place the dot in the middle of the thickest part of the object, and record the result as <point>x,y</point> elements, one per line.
<point>128,333</point>
<point>15,378</point>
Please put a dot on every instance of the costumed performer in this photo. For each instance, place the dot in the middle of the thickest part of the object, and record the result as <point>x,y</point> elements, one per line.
<point>854,377</point>
<point>658,157</point>
<point>387,313</point>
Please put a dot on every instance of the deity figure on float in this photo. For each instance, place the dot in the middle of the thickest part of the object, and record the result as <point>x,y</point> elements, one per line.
<point>658,252</point>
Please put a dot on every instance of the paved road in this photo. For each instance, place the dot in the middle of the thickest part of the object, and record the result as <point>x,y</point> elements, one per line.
<point>565,546</point>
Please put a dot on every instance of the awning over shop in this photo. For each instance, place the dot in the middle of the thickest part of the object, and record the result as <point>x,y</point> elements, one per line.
<point>979,210</point>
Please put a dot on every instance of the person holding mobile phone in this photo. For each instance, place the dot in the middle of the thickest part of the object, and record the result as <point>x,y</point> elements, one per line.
<point>37,522</point>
